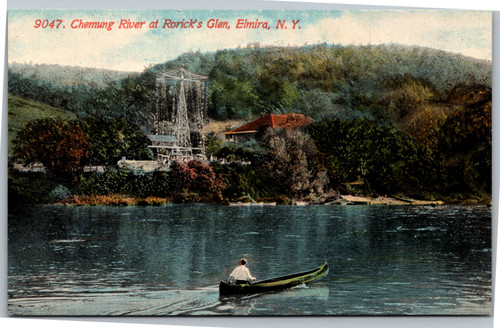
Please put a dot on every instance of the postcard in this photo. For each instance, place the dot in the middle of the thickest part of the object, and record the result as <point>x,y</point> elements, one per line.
<point>249,162</point>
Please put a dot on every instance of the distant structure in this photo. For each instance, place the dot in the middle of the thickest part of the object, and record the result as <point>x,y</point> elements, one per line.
<point>249,131</point>
<point>180,113</point>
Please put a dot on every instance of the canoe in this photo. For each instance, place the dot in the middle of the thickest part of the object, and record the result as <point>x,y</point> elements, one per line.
<point>273,284</point>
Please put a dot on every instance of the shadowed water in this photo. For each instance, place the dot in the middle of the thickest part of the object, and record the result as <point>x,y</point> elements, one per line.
<point>169,260</point>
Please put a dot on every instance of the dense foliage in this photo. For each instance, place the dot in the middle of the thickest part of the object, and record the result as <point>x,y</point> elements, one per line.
<point>318,81</point>
<point>58,144</point>
<point>29,188</point>
<point>393,119</point>
<point>195,178</point>
<point>246,183</point>
<point>363,149</point>
<point>292,163</point>
<point>112,139</point>
<point>124,182</point>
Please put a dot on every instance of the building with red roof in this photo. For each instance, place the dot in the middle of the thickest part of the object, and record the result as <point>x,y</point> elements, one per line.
<point>249,130</point>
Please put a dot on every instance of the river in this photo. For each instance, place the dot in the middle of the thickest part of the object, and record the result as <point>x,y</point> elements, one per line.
<point>168,260</point>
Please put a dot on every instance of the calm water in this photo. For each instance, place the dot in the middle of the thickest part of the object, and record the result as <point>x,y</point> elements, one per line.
<point>169,260</point>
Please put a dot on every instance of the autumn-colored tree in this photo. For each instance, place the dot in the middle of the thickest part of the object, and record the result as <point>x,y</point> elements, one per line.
<point>181,176</point>
<point>206,180</point>
<point>465,148</point>
<point>424,125</point>
<point>195,177</point>
<point>457,140</point>
<point>59,145</point>
<point>403,94</point>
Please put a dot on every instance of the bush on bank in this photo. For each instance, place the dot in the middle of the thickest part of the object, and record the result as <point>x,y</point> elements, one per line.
<point>156,184</point>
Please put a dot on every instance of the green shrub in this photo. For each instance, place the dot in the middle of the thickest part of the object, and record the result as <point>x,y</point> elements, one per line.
<point>59,193</point>
<point>124,182</point>
<point>29,188</point>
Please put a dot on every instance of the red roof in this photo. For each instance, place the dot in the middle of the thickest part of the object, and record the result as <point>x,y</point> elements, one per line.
<point>288,121</point>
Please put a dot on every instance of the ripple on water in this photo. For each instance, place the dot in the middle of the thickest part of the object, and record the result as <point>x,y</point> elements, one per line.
<point>144,261</point>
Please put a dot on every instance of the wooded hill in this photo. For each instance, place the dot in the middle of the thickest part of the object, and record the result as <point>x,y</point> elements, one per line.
<point>383,82</point>
<point>65,87</point>
<point>400,119</point>
<point>61,75</point>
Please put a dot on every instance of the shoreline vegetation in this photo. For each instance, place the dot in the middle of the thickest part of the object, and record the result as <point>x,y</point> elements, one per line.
<point>342,200</point>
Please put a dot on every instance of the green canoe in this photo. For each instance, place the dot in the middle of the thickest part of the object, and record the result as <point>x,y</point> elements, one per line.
<point>278,283</point>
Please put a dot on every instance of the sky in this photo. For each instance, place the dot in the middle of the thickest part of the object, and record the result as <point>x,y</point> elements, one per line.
<point>133,49</point>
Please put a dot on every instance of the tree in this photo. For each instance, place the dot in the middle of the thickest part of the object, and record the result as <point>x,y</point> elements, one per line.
<point>250,151</point>
<point>380,155</point>
<point>465,148</point>
<point>230,95</point>
<point>292,162</point>
<point>112,139</point>
<point>195,177</point>
<point>457,141</point>
<point>403,94</point>
<point>212,144</point>
<point>59,145</point>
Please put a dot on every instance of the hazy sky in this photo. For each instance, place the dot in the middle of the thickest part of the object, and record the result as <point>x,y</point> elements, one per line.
<point>465,32</point>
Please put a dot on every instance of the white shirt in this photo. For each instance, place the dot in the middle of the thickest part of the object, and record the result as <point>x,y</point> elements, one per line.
<point>241,273</point>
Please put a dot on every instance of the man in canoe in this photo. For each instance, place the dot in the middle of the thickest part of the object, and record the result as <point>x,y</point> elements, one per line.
<point>241,274</point>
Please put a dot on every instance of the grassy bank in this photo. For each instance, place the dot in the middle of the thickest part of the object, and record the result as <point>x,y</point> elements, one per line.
<point>22,110</point>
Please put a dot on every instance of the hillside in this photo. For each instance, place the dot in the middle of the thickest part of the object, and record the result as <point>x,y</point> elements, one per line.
<point>65,87</point>
<point>68,75</point>
<point>22,110</point>
<point>381,82</point>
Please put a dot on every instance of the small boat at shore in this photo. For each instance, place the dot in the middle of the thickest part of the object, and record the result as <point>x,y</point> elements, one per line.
<point>274,284</point>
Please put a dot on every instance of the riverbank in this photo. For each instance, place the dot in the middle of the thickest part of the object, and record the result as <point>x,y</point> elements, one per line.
<point>352,200</point>
<point>384,200</point>
<point>113,200</point>
<point>124,200</point>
